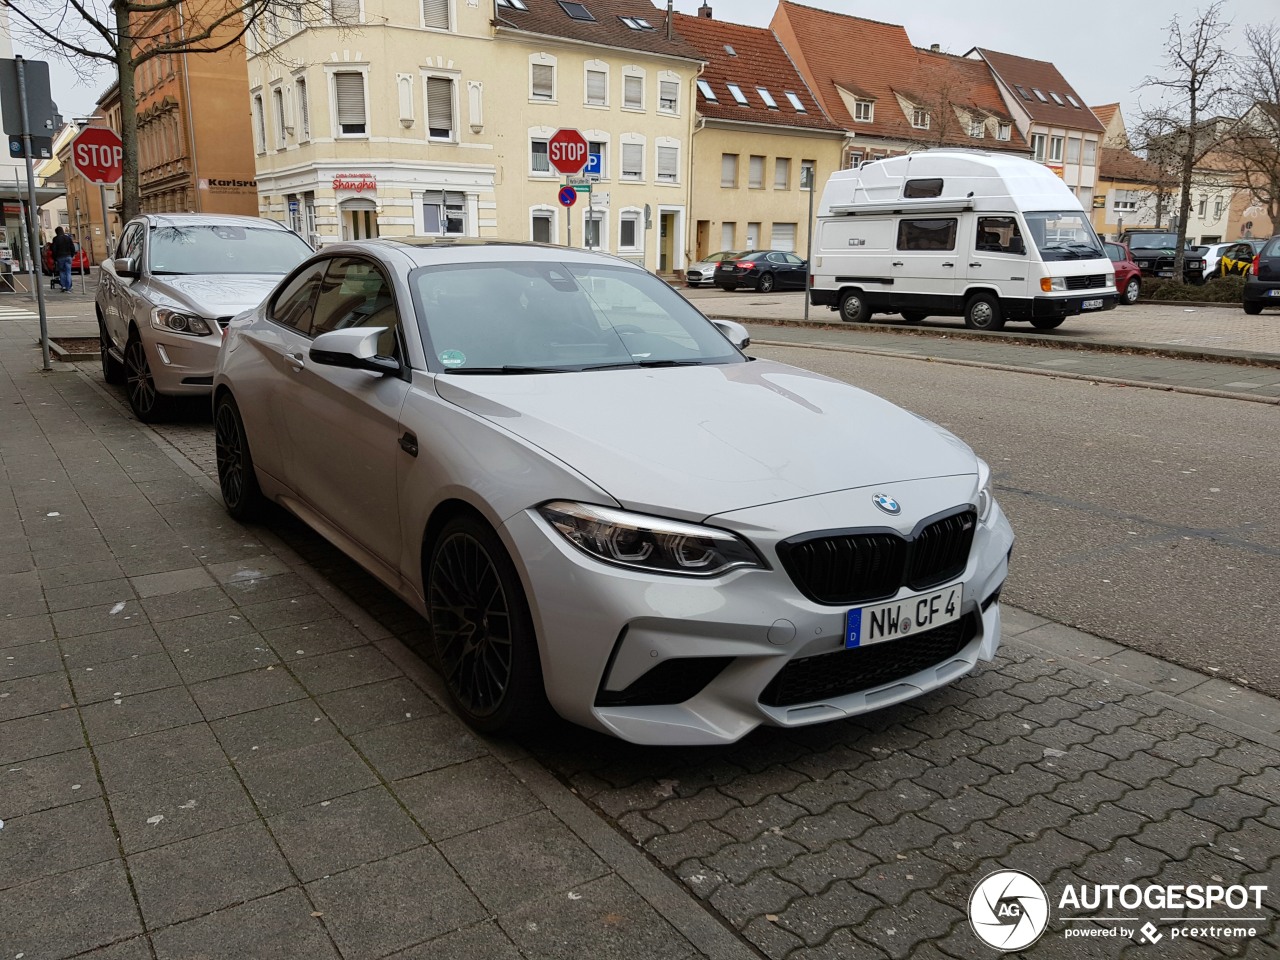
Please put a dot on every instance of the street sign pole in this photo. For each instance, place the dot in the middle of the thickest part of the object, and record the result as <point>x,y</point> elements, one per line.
<point>106,220</point>
<point>34,238</point>
<point>84,267</point>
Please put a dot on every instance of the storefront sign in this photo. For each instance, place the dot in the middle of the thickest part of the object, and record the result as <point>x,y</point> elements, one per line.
<point>359,182</point>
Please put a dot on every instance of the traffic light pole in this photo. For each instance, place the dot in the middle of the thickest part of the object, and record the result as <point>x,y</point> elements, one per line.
<point>33,233</point>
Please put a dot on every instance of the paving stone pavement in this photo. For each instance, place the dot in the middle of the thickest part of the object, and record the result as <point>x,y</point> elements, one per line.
<point>220,740</point>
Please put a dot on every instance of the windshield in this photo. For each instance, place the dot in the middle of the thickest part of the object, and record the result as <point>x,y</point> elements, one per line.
<point>1156,241</point>
<point>200,248</point>
<point>1063,235</point>
<point>722,255</point>
<point>542,317</point>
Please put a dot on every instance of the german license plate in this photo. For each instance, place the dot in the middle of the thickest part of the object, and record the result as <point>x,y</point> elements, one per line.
<point>1091,305</point>
<point>1165,273</point>
<point>1274,293</point>
<point>901,618</point>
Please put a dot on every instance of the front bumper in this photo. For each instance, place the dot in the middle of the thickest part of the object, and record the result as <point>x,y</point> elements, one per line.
<point>603,630</point>
<point>1069,306</point>
<point>182,365</point>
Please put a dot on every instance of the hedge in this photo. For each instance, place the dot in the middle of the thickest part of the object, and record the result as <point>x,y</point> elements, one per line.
<point>1217,290</point>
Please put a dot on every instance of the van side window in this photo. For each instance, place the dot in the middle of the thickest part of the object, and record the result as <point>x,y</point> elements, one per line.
<point>935,234</point>
<point>923,188</point>
<point>999,235</point>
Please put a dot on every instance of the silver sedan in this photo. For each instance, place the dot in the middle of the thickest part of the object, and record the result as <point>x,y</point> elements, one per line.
<point>597,500</point>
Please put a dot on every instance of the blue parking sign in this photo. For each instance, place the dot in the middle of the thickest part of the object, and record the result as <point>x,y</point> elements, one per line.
<point>593,164</point>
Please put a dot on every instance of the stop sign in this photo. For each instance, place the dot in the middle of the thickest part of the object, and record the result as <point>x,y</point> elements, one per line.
<point>98,155</point>
<point>567,150</point>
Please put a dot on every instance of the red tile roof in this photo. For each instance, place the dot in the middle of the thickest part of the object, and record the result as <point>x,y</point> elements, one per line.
<point>1040,75</point>
<point>1115,163</point>
<point>758,60</point>
<point>887,65</point>
<point>1105,113</point>
<point>548,18</point>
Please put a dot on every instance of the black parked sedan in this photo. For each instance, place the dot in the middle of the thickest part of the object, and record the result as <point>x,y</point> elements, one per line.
<point>765,270</point>
<point>1262,282</point>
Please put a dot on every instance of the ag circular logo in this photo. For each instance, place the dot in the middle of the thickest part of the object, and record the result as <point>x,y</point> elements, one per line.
<point>1008,910</point>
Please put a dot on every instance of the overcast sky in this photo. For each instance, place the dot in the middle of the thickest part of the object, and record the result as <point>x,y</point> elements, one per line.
<point>1103,53</point>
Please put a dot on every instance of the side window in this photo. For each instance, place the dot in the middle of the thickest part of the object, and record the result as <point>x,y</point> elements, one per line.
<point>777,258</point>
<point>354,294</point>
<point>1001,235</point>
<point>131,242</point>
<point>934,234</point>
<point>794,260</point>
<point>922,188</point>
<point>294,307</point>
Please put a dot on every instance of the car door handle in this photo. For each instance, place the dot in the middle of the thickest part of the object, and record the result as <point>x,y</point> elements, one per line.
<point>897,263</point>
<point>975,264</point>
<point>295,360</point>
<point>948,264</point>
<point>409,444</point>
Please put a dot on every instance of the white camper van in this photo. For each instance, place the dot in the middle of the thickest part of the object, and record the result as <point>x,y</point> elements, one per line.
<point>957,233</point>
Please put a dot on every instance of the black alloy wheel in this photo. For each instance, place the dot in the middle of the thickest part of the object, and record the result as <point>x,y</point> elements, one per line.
<point>481,628</point>
<point>112,371</point>
<point>148,405</point>
<point>236,477</point>
<point>766,283</point>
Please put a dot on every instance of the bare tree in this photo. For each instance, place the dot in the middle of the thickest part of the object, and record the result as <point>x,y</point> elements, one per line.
<point>1251,150</point>
<point>128,33</point>
<point>1179,131</point>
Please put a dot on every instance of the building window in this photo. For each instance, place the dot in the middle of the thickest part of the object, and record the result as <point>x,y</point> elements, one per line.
<point>855,161</point>
<point>1217,208</point>
<point>1203,208</point>
<point>540,226</point>
<point>1004,131</point>
<point>668,164</point>
<point>1090,152</point>
<point>767,97</point>
<point>705,89</point>
<point>592,228</point>
<point>782,173</point>
<point>1086,198</point>
<point>597,88</point>
<point>795,102</point>
<point>668,96</point>
<point>440,125</point>
<point>633,161</point>
<point>277,107</point>
<point>304,109</point>
<point>755,174</point>
<point>729,170</point>
<point>259,125</point>
<point>348,95</point>
<point>807,172</point>
<point>1039,142</point>
<point>633,92</point>
<point>1073,149</point>
<point>444,213</point>
<point>541,160</point>
<point>1055,149</point>
<point>864,111</point>
<point>920,118</point>
<point>739,97</point>
<point>542,81</point>
<point>728,233</point>
<point>629,231</point>
<point>977,129</point>
<point>344,11</point>
<point>435,14</point>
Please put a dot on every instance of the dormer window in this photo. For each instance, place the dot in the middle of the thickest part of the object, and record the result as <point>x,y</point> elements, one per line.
<point>704,88</point>
<point>920,118</point>
<point>864,111</point>
<point>795,102</point>
<point>977,129</point>
<point>767,97</point>
<point>739,97</point>
<point>576,10</point>
<point>1004,131</point>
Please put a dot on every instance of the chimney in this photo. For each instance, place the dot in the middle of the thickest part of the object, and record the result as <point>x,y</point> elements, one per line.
<point>670,25</point>
<point>935,48</point>
<point>705,10</point>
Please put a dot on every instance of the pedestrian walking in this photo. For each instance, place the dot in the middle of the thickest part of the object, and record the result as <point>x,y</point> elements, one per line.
<point>63,249</point>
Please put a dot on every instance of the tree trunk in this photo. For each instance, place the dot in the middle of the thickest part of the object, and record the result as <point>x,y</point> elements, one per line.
<point>129,202</point>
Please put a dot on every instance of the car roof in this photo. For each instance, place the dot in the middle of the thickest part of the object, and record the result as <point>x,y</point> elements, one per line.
<point>210,219</point>
<point>428,251</point>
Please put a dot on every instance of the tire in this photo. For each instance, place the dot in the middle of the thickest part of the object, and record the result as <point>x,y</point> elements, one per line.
<point>148,405</point>
<point>913,316</point>
<point>1252,309</point>
<point>1132,290</point>
<point>766,283</point>
<point>853,309</point>
<point>983,313</point>
<point>1047,323</point>
<point>236,477</point>
<point>112,369</point>
<point>727,286</point>
<point>481,629</point>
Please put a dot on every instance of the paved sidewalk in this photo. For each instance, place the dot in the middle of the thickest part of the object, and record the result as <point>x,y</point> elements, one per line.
<point>220,740</point>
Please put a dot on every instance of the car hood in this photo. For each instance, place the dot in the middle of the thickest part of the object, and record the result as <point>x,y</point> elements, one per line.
<point>691,442</point>
<point>212,294</point>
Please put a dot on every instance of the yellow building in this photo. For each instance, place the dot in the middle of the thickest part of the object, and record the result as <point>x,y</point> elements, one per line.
<point>760,134</point>
<point>433,118</point>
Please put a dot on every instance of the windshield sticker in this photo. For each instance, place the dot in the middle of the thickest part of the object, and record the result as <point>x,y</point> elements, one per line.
<point>453,358</point>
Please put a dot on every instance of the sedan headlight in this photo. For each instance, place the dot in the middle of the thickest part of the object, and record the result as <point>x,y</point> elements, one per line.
<point>1050,284</point>
<point>173,321</point>
<point>649,543</point>
<point>986,498</point>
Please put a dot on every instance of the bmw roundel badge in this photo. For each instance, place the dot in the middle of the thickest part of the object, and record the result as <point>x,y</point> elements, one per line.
<point>887,504</point>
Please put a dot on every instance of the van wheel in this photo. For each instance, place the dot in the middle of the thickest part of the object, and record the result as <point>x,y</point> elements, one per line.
<point>983,313</point>
<point>853,309</point>
<point>913,316</point>
<point>1047,323</point>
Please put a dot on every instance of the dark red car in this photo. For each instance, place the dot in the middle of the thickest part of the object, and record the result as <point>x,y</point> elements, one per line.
<point>82,261</point>
<point>1128,274</point>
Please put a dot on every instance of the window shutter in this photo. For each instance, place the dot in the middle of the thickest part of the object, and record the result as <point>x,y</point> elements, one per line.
<point>668,94</point>
<point>756,175</point>
<point>782,177</point>
<point>633,159</point>
<point>596,86</point>
<point>543,80</point>
<point>349,91</point>
<point>439,107</point>
<point>435,13</point>
<point>668,163</point>
<point>728,170</point>
<point>345,11</point>
<point>304,111</point>
<point>784,236</point>
<point>633,92</point>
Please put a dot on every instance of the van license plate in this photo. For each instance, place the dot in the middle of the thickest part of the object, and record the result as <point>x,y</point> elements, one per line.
<point>900,618</point>
<point>1091,305</point>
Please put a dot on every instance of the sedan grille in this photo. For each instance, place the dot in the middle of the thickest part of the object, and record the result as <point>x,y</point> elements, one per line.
<point>830,675</point>
<point>1086,283</point>
<point>846,568</point>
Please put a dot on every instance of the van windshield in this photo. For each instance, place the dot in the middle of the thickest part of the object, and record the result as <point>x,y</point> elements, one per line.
<point>1063,235</point>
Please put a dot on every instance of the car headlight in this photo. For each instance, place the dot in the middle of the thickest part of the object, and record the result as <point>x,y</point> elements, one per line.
<point>173,321</point>
<point>986,498</point>
<point>649,543</point>
<point>1111,279</point>
<point>1050,284</point>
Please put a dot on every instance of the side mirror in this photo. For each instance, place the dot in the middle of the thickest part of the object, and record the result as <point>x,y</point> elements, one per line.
<point>735,333</point>
<point>124,267</point>
<point>355,348</point>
